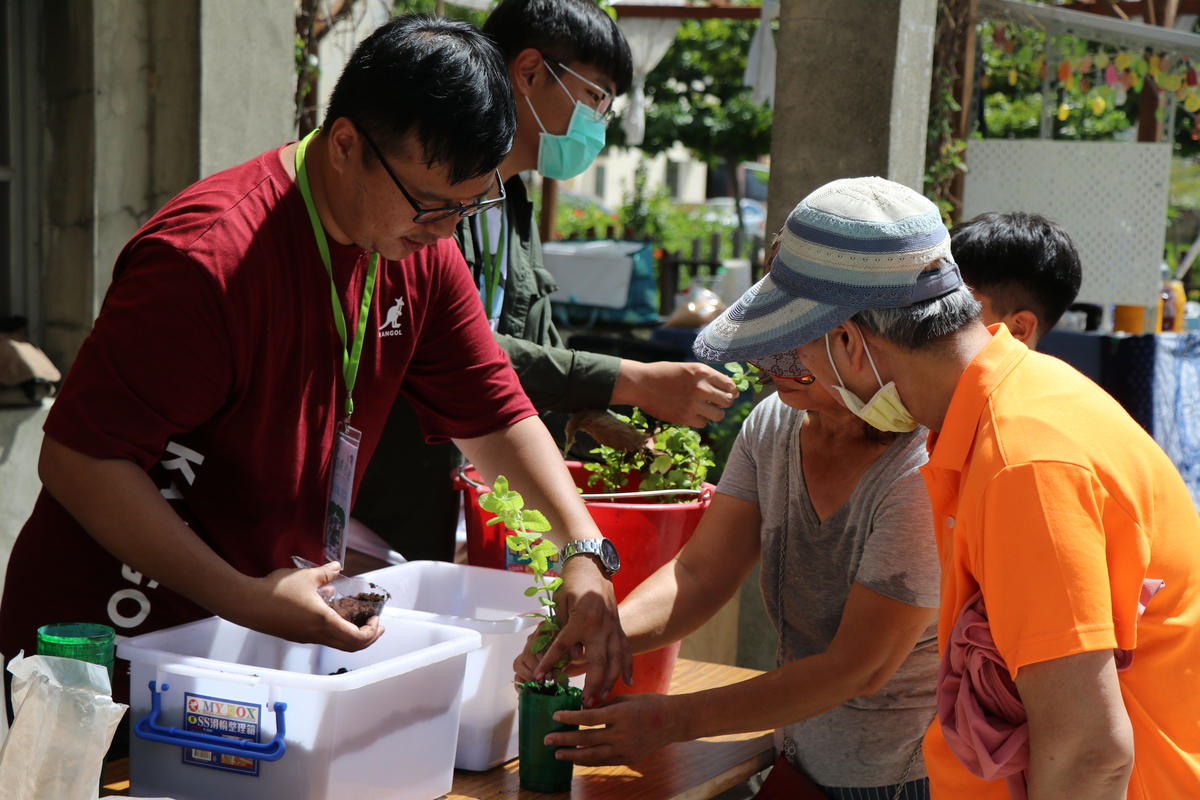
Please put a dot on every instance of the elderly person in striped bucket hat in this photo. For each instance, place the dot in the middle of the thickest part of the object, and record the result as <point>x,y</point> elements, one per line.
<point>851,246</point>
<point>835,510</point>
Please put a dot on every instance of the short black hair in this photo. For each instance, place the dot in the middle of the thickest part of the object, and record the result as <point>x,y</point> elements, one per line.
<point>570,31</point>
<point>438,78</point>
<point>1022,262</point>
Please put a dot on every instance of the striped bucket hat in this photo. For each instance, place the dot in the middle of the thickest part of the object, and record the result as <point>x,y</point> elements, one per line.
<point>851,245</point>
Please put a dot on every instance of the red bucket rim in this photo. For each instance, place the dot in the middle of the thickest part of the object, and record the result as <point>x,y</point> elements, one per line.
<point>464,481</point>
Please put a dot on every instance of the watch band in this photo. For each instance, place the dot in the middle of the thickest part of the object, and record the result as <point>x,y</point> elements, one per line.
<point>594,547</point>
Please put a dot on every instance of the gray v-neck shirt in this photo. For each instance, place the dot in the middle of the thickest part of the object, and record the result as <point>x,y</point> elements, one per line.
<point>882,538</point>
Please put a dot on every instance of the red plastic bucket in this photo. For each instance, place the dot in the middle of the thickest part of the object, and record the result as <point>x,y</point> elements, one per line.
<point>647,534</point>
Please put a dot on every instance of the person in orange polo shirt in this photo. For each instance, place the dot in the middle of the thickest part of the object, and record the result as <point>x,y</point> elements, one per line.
<point>1053,509</point>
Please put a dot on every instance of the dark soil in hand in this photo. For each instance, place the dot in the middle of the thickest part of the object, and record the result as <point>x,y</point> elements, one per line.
<point>358,609</point>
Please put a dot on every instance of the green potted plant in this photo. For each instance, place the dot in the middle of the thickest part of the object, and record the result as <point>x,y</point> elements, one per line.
<point>649,496</point>
<point>669,457</point>
<point>540,771</point>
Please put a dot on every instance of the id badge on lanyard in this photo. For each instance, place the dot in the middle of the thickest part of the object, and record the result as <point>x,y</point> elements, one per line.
<point>341,489</point>
<point>346,439</point>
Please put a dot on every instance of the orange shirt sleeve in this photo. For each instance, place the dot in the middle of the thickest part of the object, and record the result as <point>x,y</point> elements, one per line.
<point>1060,564</point>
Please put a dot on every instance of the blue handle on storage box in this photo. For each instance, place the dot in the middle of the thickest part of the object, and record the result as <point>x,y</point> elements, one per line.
<point>148,728</point>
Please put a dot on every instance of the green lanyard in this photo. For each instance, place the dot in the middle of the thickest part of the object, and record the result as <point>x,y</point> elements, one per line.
<point>492,261</point>
<point>350,357</point>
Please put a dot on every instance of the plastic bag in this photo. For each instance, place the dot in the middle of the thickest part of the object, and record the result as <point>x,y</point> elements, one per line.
<point>65,720</point>
<point>26,374</point>
<point>696,307</point>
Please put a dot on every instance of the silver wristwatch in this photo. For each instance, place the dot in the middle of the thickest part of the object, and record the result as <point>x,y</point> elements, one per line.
<point>604,549</point>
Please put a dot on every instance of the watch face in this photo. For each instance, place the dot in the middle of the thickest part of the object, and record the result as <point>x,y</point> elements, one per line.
<point>608,554</point>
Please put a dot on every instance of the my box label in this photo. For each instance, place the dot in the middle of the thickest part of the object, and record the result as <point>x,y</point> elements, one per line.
<point>218,717</point>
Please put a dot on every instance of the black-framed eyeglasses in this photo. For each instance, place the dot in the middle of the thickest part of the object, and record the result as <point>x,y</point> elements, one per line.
<point>602,99</point>
<point>425,215</point>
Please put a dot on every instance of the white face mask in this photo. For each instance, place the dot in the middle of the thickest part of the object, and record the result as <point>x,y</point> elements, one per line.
<point>884,410</point>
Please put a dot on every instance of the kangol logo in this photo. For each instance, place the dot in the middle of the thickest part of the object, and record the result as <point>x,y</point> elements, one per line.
<point>391,326</point>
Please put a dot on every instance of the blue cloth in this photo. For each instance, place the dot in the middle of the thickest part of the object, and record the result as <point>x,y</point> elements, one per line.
<point>677,337</point>
<point>1128,375</point>
<point>1175,403</point>
<point>1081,350</point>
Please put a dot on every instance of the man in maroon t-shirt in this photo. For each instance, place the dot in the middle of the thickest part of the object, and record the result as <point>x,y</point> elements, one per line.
<point>189,454</point>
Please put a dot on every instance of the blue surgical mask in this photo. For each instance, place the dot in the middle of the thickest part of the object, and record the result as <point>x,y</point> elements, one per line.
<point>564,156</point>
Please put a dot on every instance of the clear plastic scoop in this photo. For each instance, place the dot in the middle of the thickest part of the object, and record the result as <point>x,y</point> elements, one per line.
<point>354,599</point>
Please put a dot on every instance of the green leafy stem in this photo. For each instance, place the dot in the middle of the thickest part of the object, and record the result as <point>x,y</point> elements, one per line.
<point>746,377</point>
<point>524,525</point>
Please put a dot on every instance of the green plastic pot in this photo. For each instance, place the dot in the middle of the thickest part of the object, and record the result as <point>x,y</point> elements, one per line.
<point>540,770</point>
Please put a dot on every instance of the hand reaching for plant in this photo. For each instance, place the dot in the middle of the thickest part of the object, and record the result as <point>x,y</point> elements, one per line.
<point>587,610</point>
<point>579,607</point>
<point>525,665</point>
<point>633,727</point>
<point>679,392</point>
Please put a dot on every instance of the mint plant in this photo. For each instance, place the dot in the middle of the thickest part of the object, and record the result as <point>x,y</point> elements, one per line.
<point>744,378</point>
<point>524,524</point>
<point>675,459</point>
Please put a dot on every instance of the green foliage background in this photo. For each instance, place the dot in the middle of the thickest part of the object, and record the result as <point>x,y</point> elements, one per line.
<point>695,96</point>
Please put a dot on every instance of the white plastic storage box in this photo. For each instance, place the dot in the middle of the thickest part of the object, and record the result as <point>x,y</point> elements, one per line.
<point>385,728</point>
<point>492,602</point>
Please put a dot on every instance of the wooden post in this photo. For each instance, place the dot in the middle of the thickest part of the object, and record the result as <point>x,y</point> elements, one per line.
<point>549,209</point>
<point>1150,101</point>
<point>1169,12</point>
<point>1148,5</point>
<point>668,282</point>
<point>964,89</point>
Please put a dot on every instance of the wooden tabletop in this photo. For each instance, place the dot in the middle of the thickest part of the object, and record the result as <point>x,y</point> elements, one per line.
<point>694,770</point>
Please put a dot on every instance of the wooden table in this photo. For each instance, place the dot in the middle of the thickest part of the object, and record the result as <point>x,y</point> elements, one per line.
<point>683,771</point>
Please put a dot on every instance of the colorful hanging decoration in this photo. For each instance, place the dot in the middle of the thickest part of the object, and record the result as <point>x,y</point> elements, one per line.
<point>1089,78</point>
<point>1105,78</point>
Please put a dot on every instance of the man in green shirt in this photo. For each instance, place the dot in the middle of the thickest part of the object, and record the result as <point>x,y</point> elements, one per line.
<point>567,60</point>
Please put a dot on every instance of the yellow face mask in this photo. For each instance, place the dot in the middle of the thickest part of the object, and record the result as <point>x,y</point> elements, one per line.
<point>884,410</point>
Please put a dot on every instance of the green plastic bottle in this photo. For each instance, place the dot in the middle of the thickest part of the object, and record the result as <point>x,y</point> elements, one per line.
<point>85,641</point>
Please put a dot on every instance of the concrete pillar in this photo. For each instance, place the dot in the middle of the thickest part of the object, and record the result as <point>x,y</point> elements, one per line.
<point>143,98</point>
<point>851,99</point>
<point>247,79</point>
<point>66,267</point>
<point>121,110</point>
<point>852,95</point>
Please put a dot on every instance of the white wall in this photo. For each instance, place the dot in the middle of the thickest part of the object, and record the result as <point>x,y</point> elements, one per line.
<point>335,49</point>
<point>121,108</point>
<point>620,165</point>
<point>247,79</point>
